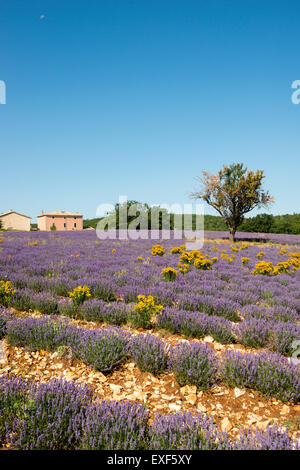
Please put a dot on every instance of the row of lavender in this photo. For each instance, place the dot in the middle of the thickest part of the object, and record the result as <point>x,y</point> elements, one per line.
<point>272,328</point>
<point>192,363</point>
<point>60,415</point>
<point>283,238</point>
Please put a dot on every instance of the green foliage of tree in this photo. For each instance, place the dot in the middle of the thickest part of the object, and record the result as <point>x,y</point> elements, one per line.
<point>233,192</point>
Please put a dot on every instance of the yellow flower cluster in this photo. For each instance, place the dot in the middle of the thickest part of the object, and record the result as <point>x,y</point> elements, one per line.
<point>147,304</point>
<point>77,256</point>
<point>6,287</point>
<point>189,256</point>
<point>158,250</point>
<point>183,267</point>
<point>113,250</point>
<point>169,274</point>
<point>177,249</point>
<point>260,255</point>
<point>234,248</point>
<point>244,245</point>
<point>32,243</point>
<point>263,267</point>
<point>295,263</point>
<point>283,251</point>
<point>79,294</point>
<point>214,248</point>
<point>226,257</point>
<point>140,258</point>
<point>6,291</point>
<point>202,263</point>
<point>283,267</point>
<point>245,260</point>
<point>295,255</point>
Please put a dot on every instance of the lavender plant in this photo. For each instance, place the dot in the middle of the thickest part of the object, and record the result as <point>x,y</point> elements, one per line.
<point>38,333</point>
<point>149,353</point>
<point>194,364</point>
<point>184,431</point>
<point>115,426</point>
<point>273,438</point>
<point>102,349</point>
<point>52,417</point>
<point>269,373</point>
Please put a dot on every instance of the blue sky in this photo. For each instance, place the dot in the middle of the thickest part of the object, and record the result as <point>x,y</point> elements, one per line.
<point>118,97</point>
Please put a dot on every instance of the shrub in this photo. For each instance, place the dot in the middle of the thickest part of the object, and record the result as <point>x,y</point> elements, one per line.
<point>12,398</point>
<point>269,373</point>
<point>52,418</point>
<point>80,294</point>
<point>184,431</point>
<point>194,364</point>
<point>169,274</point>
<point>6,292</point>
<point>38,333</point>
<point>195,324</point>
<point>149,353</point>
<point>115,426</point>
<point>22,300</point>
<point>273,438</point>
<point>253,333</point>
<point>143,311</point>
<point>5,317</point>
<point>102,349</point>
<point>67,308</point>
<point>158,250</point>
<point>44,303</point>
<point>203,263</point>
<point>282,336</point>
<point>115,313</point>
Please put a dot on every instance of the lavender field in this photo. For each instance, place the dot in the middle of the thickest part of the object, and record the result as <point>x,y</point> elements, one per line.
<point>147,345</point>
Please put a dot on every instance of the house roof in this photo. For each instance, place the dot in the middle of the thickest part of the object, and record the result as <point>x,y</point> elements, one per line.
<point>14,212</point>
<point>61,214</point>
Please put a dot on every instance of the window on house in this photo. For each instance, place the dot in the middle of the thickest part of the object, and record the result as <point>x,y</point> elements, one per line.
<point>65,225</point>
<point>75,225</point>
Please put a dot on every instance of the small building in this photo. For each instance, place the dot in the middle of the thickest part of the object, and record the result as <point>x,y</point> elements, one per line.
<point>60,220</point>
<point>13,220</point>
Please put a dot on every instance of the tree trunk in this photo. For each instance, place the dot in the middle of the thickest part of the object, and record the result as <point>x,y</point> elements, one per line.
<point>232,235</point>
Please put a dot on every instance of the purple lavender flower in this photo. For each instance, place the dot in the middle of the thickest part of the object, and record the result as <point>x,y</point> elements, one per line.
<point>184,431</point>
<point>269,373</point>
<point>113,425</point>
<point>194,364</point>
<point>149,353</point>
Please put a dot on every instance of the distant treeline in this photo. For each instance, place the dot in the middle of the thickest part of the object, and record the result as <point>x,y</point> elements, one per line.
<point>262,223</point>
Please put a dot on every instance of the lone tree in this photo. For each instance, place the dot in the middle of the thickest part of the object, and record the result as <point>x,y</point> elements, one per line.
<point>233,192</point>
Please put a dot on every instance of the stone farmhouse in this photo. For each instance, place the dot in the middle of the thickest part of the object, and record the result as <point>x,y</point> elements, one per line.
<point>13,220</point>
